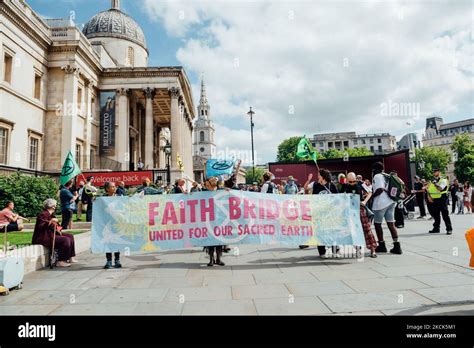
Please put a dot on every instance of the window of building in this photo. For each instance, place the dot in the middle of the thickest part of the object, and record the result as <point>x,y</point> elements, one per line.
<point>202,149</point>
<point>34,151</point>
<point>330,144</point>
<point>37,92</point>
<point>78,154</point>
<point>379,141</point>
<point>131,56</point>
<point>346,144</point>
<point>355,141</point>
<point>4,139</point>
<point>371,141</point>
<point>7,67</point>
<point>313,144</point>
<point>201,136</point>
<point>321,144</point>
<point>380,148</point>
<point>363,142</point>
<point>372,148</point>
<point>79,99</point>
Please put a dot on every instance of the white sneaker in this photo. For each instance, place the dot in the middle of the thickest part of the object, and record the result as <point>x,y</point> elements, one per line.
<point>325,256</point>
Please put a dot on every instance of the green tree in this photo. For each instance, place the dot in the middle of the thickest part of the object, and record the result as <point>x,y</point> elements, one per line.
<point>359,152</point>
<point>431,157</point>
<point>27,192</point>
<point>250,179</point>
<point>287,151</point>
<point>463,146</point>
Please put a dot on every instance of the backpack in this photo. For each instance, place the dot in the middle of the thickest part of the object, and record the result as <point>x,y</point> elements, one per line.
<point>396,186</point>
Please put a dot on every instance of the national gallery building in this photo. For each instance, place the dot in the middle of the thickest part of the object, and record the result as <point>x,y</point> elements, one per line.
<point>90,92</point>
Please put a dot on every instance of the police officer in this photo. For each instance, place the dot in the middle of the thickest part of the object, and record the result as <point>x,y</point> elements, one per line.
<point>437,195</point>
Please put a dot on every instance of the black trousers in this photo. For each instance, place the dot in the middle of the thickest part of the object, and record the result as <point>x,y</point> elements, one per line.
<point>421,205</point>
<point>67,217</point>
<point>454,199</point>
<point>217,249</point>
<point>89,212</point>
<point>109,256</point>
<point>440,208</point>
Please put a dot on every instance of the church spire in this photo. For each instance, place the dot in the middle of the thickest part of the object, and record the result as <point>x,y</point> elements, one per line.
<point>203,100</point>
<point>116,4</point>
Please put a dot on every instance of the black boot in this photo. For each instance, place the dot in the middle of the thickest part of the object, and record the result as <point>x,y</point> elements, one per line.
<point>381,248</point>
<point>396,248</point>
<point>211,262</point>
<point>434,231</point>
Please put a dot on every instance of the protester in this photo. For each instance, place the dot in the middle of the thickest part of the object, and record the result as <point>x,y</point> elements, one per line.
<point>88,197</point>
<point>453,189</point>
<point>437,195</point>
<point>291,188</point>
<point>110,191</point>
<point>323,186</point>
<point>67,198</point>
<point>467,197</point>
<point>420,196</point>
<point>360,180</point>
<point>195,187</point>
<point>44,232</point>
<point>140,164</point>
<point>341,181</point>
<point>268,185</point>
<point>14,222</point>
<point>179,186</point>
<point>211,185</point>
<point>460,198</point>
<point>121,191</point>
<point>146,188</point>
<point>356,188</point>
<point>384,208</point>
<point>79,205</point>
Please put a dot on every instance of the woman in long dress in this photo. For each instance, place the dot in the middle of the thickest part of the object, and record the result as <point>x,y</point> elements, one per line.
<point>44,232</point>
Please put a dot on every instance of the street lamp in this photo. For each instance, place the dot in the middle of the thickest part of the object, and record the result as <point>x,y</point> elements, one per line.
<point>167,149</point>
<point>251,113</point>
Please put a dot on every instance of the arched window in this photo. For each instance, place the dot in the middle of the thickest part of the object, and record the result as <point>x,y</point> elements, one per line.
<point>202,112</point>
<point>206,112</point>
<point>131,56</point>
<point>201,136</point>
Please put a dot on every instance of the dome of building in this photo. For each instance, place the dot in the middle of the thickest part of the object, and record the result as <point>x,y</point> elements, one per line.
<point>113,23</point>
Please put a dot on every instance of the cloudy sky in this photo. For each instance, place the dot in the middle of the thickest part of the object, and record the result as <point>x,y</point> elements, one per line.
<point>309,66</point>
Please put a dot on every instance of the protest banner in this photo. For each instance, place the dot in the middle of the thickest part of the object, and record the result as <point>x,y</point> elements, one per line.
<point>166,222</point>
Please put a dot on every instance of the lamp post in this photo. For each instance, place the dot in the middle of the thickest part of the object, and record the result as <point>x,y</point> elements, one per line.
<point>167,149</point>
<point>251,113</point>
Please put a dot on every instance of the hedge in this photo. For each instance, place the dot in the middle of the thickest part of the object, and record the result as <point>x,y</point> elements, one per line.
<point>27,192</point>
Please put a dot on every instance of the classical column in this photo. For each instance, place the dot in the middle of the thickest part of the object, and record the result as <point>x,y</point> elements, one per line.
<point>176,146</point>
<point>148,160</point>
<point>122,138</point>
<point>88,126</point>
<point>70,110</point>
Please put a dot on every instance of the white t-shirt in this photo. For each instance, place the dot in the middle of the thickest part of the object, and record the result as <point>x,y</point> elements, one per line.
<point>382,201</point>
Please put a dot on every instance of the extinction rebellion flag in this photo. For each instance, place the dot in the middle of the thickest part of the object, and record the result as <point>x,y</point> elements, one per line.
<point>305,150</point>
<point>70,169</point>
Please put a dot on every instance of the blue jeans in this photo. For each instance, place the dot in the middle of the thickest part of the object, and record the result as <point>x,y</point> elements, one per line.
<point>388,213</point>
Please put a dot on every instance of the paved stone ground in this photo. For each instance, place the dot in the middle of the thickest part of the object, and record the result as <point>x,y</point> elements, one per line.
<point>431,277</point>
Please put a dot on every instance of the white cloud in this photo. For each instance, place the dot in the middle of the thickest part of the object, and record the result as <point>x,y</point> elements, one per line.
<point>291,54</point>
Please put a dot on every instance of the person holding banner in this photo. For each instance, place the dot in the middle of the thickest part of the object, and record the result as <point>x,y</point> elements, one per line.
<point>110,191</point>
<point>324,186</point>
<point>353,187</point>
<point>211,185</point>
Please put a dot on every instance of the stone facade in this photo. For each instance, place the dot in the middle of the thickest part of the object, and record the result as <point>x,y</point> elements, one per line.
<point>376,143</point>
<point>51,80</point>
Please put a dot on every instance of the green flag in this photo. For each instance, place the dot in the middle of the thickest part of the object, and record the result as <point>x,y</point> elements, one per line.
<point>70,169</point>
<point>305,150</point>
